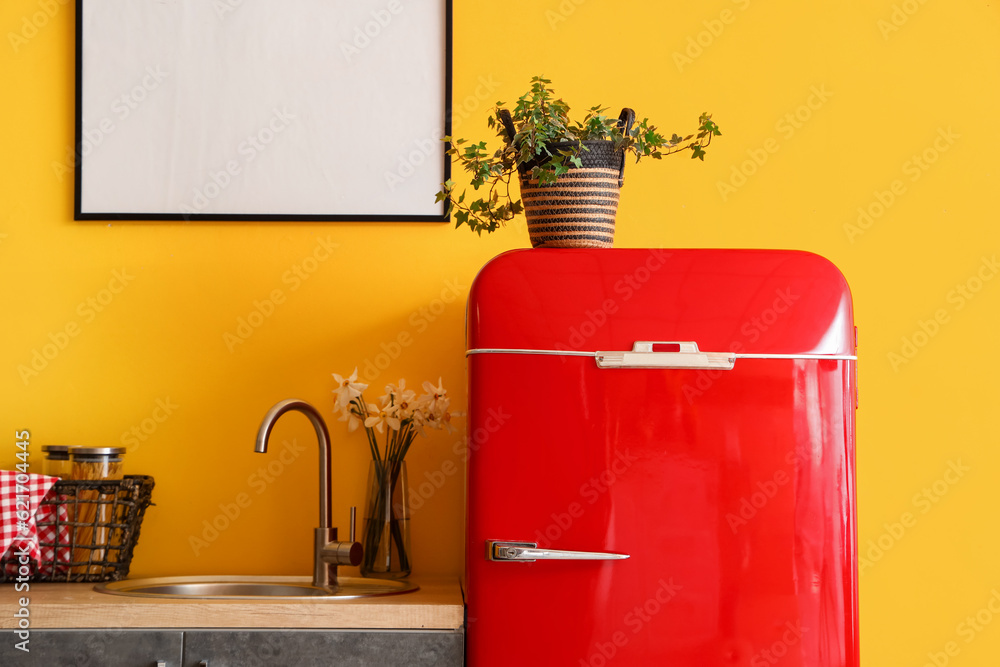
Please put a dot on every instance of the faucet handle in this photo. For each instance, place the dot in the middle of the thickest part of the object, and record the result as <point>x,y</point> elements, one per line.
<point>348,552</point>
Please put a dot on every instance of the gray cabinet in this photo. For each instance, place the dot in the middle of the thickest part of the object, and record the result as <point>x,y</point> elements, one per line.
<point>95,648</point>
<point>343,648</point>
<point>237,648</point>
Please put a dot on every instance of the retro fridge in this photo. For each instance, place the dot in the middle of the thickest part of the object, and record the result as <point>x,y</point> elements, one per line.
<point>661,460</point>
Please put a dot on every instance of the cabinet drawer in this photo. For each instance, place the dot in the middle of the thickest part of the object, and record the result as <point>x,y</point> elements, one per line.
<point>344,648</point>
<point>94,648</point>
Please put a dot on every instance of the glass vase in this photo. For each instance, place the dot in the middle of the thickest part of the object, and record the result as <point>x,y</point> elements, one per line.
<point>386,536</point>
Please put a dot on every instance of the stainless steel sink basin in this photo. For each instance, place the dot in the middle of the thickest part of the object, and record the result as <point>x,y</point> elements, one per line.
<point>250,588</point>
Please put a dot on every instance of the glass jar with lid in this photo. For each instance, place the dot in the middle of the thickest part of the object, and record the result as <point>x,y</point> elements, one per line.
<point>93,463</point>
<point>57,463</point>
<point>94,508</point>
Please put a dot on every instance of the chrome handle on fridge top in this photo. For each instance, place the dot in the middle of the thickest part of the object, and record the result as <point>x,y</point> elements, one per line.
<point>687,355</point>
<point>528,552</point>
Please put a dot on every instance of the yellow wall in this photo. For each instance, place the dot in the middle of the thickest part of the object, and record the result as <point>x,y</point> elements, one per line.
<point>896,78</point>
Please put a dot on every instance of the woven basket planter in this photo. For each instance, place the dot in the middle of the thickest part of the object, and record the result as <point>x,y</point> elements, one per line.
<point>578,210</point>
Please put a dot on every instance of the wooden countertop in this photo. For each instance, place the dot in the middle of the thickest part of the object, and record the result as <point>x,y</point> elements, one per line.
<point>438,605</point>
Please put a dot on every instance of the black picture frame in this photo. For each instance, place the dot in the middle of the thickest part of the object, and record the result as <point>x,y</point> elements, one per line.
<point>151,146</point>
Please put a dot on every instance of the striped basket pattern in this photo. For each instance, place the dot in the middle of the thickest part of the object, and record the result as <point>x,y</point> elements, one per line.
<point>578,210</point>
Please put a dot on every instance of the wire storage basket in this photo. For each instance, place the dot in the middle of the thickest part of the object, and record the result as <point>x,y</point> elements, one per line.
<point>87,530</point>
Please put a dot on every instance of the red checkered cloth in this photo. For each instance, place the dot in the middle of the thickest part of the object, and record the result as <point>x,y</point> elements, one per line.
<point>19,525</point>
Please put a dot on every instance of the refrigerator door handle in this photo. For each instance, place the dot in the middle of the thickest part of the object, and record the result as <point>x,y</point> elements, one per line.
<point>687,355</point>
<point>528,552</point>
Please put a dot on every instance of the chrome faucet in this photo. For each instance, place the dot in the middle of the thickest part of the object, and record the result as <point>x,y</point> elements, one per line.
<point>328,552</point>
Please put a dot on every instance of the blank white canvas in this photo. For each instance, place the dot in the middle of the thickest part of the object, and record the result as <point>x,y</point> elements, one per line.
<point>262,107</point>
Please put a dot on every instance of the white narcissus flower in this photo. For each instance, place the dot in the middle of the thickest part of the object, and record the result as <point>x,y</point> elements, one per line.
<point>347,390</point>
<point>393,422</point>
<point>439,420</point>
<point>398,401</point>
<point>417,419</point>
<point>437,397</point>
<point>446,423</point>
<point>353,421</point>
<point>378,416</point>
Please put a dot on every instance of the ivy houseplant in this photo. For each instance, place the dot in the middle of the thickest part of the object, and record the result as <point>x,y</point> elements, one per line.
<point>569,171</point>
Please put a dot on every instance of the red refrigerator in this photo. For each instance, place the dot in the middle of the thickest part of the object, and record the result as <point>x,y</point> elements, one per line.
<point>661,460</point>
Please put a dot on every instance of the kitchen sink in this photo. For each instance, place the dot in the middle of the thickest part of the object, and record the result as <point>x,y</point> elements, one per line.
<point>245,587</point>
